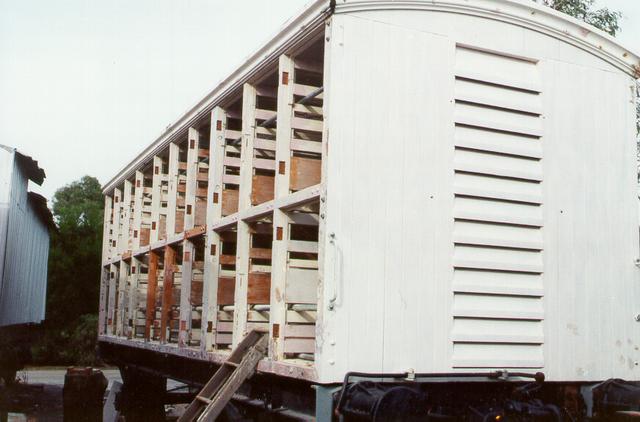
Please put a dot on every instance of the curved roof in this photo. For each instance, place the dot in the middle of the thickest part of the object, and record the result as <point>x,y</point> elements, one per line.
<point>525,13</point>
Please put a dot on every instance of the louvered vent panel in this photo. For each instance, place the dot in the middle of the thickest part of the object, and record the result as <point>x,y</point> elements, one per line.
<point>498,231</point>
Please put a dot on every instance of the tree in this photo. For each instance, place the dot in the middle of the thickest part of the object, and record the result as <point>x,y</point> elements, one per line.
<point>604,19</point>
<point>74,272</point>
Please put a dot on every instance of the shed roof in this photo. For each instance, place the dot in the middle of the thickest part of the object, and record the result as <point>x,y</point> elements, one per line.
<point>28,165</point>
<point>36,174</point>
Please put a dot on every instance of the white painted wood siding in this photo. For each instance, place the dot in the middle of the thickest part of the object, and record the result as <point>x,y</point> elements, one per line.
<point>481,206</point>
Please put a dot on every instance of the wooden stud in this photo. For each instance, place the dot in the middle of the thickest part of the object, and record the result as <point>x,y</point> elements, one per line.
<point>155,199</point>
<point>126,241</point>
<point>244,202</point>
<point>113,295</point>
<point>167,291</point>
<point>117,223</point>
<point>152,285</point>
<point>172,194</point>
<point>277,314</point>
<point>185,294</point>
<point>214,213</point>
<point>248,138</point>
<point>104,299</point>
<point>133,296</point>
<point>108,230</point>
<point>192,174</point>
<point>122,311</point>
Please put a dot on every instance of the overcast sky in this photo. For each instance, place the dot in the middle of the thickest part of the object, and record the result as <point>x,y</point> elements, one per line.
<point>86,85</point>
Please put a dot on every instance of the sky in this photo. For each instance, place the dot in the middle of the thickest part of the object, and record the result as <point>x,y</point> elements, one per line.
<point>86,85</point>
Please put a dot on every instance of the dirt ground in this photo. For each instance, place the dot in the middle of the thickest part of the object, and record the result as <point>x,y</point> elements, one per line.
<point>38,395</point>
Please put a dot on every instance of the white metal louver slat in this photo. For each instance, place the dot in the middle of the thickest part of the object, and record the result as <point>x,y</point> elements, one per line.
<point>498,309</point>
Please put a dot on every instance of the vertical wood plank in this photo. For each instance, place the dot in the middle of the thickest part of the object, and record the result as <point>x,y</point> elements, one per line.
<point>104,299</point>
<point>214,213</point>
<point>134,269</point>
<point>137,210</point>
<point>122,288</point>
<point>188,256</point>
<point>277,314</point>
<point>106,233</point>
<point>155,199</point>
<point>244,202</point>
<point>174,153</point>
<point>193,144</point>
<point>167,291</point>
<point>127,234</point>
<point>152,286</point>
<point>117,227</point>
<point>113,283</point>
<point>248,138</point>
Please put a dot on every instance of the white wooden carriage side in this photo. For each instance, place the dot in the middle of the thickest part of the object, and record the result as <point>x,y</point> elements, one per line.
<point>474,199</point>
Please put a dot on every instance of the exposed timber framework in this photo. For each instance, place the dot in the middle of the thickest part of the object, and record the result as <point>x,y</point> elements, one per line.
<point>233,200</point>
<point>389,188</point>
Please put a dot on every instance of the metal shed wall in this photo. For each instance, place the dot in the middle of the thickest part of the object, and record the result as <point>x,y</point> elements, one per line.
<point>544,225</point>
<point>26,250</point>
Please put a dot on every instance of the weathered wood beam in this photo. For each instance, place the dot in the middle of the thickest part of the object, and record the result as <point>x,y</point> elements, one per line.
<point>152,286</point>
<point>125,244</point>
<point>174,154</point>
<point>111,310</point>
<point>167,291</point>
<point>117,229</point>
<point>244,202</point>
<point>155,199</point>
<point>278,311</point>
<point>188,256</point>
<point>104,300</point>
<point>107,230</point>
<point>214,213</point>
<point>138,187</point>
<point>193,144</point>
<point>122,289</point>
<point>134,269</point>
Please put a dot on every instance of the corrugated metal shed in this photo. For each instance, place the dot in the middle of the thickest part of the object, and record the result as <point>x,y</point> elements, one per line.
<point>25,221</point>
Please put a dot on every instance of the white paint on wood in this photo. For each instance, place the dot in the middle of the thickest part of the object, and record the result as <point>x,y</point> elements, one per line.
<point>280,217</point>
<point>244,202</point>
<point>172,193</point>
<point>193,145</point>
<point>155,199</point>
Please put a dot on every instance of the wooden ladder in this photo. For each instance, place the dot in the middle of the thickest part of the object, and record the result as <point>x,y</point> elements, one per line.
<point>240,365</point>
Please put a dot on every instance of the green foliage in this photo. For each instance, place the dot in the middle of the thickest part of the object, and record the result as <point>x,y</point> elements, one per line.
<point>71,345</point>
<point>604,19</point>
<point>74,272</point>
